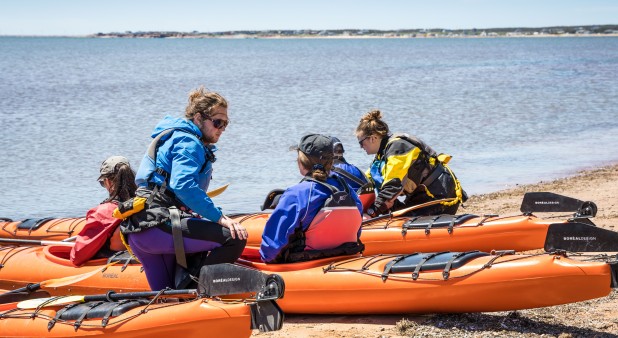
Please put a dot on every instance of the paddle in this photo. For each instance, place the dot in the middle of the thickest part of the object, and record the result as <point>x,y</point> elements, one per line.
<point>217,191</point>
<point>214,280</point>
<point>53,283</point>
<point>63,300</point>
<point>404,211</point>
<point>34,242</point>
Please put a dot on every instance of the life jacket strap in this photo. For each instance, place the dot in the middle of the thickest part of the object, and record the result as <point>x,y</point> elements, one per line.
<point>179,247</point>
<point>349,176</point>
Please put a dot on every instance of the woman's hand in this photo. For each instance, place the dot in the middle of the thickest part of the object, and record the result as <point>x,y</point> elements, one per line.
<point>235,228</point>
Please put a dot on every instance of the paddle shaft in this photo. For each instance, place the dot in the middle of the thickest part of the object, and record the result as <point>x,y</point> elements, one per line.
<point>403,211</point>
<point>28,288</point>
<point>56,282</point>
<point>144,294</point>
<point>34,242</point>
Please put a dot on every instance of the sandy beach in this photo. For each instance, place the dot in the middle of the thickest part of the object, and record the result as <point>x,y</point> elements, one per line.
<point>595,318</point>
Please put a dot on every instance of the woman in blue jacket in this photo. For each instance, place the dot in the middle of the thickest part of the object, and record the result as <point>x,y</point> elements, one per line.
<point>318,217</point>
<point>174,176</point>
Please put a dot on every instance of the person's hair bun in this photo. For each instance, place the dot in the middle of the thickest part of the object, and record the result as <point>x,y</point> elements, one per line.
<point>371,116</point>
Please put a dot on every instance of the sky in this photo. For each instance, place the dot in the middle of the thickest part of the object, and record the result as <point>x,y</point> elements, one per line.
<point>83,17</point>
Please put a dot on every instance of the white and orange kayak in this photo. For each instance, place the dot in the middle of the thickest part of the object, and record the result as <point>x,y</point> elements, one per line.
<point>421,282</point>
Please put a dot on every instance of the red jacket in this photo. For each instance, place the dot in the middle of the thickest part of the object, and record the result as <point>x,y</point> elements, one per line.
<point>100,226</point>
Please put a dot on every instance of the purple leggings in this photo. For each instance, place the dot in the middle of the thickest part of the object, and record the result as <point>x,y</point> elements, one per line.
<point>154,248</point>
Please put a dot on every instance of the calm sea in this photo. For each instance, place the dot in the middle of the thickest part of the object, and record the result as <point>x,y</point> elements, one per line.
<point>510,111</point>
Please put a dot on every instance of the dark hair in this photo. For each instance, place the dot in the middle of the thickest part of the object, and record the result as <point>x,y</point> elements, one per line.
<point>372,124</point>
<point>123,183</point>
<point>318,168</point>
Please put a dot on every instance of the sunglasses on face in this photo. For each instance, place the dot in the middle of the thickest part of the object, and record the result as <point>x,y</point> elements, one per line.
<point>218,123</point>
<point>102,182</point>
<point>360,142</point>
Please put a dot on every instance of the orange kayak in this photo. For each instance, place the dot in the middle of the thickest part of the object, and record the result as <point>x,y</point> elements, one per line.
<point>384,236</point>
<point>472,282</point>
<point>51,229</point>
<point>195,318</point>
<point>386,284</point>
<point>438,233</point>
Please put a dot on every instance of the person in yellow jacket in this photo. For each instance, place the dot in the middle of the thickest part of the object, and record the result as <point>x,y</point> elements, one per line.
<point>405,166</point>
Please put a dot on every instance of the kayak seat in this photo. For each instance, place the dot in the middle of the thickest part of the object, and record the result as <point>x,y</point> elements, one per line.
<point>418,262</point>
<point>437,221</point>
<point>96,309</point>
<point>31,224</point>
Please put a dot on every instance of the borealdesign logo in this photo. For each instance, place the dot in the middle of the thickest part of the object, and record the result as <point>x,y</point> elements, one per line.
<point>547,202</point>
<point>573,238</point>
<point>226,280</point>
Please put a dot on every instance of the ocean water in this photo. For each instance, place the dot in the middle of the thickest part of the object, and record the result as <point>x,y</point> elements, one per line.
<point>510,110</point>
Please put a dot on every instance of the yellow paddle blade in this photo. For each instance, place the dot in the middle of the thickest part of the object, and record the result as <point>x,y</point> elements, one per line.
<point>63,281</point>
<point>218,191</point>
<point>46,302</point>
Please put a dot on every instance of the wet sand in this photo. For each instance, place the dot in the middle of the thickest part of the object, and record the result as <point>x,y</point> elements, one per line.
<point>595,318</point>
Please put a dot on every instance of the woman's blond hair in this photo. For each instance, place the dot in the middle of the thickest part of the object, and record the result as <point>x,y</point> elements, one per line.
<point>202,101</point>
<point>372,124</point>
<point>318,168</point>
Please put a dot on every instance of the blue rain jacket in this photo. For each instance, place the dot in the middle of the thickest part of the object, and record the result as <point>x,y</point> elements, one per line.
<point>182,155</point>
<point>297,207</point>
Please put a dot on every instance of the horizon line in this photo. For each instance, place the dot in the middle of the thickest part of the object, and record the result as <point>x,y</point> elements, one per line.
<point>308,29</point>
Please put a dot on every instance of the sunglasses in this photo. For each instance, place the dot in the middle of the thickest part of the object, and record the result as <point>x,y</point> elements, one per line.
<point>102,182</point>
<point>360,142</point>
<point>218,123</point>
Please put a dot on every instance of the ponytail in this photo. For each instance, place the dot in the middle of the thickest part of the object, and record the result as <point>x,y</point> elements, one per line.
<point>123,184</point>
<point>318,168</point>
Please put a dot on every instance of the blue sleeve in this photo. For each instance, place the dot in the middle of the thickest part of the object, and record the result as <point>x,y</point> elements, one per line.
<point>187,160</point>
<point>282,223</point>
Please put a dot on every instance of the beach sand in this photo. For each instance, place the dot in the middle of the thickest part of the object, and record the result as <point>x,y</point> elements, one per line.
<point>595,318</point>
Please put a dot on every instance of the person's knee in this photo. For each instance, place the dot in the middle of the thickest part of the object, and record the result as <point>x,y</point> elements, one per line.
<point>238,243</point>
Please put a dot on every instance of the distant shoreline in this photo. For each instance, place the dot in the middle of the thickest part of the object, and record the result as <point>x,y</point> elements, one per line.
<point>554,31</point>
<point>336,37</point>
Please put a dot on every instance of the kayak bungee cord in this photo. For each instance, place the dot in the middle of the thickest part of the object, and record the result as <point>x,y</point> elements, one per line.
<point>246,216</point>
<point>336,267</point>
<point>77,323</point>
<point>10,252</point>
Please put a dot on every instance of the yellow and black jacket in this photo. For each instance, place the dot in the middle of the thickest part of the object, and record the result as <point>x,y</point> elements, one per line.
<point>405,165</point>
